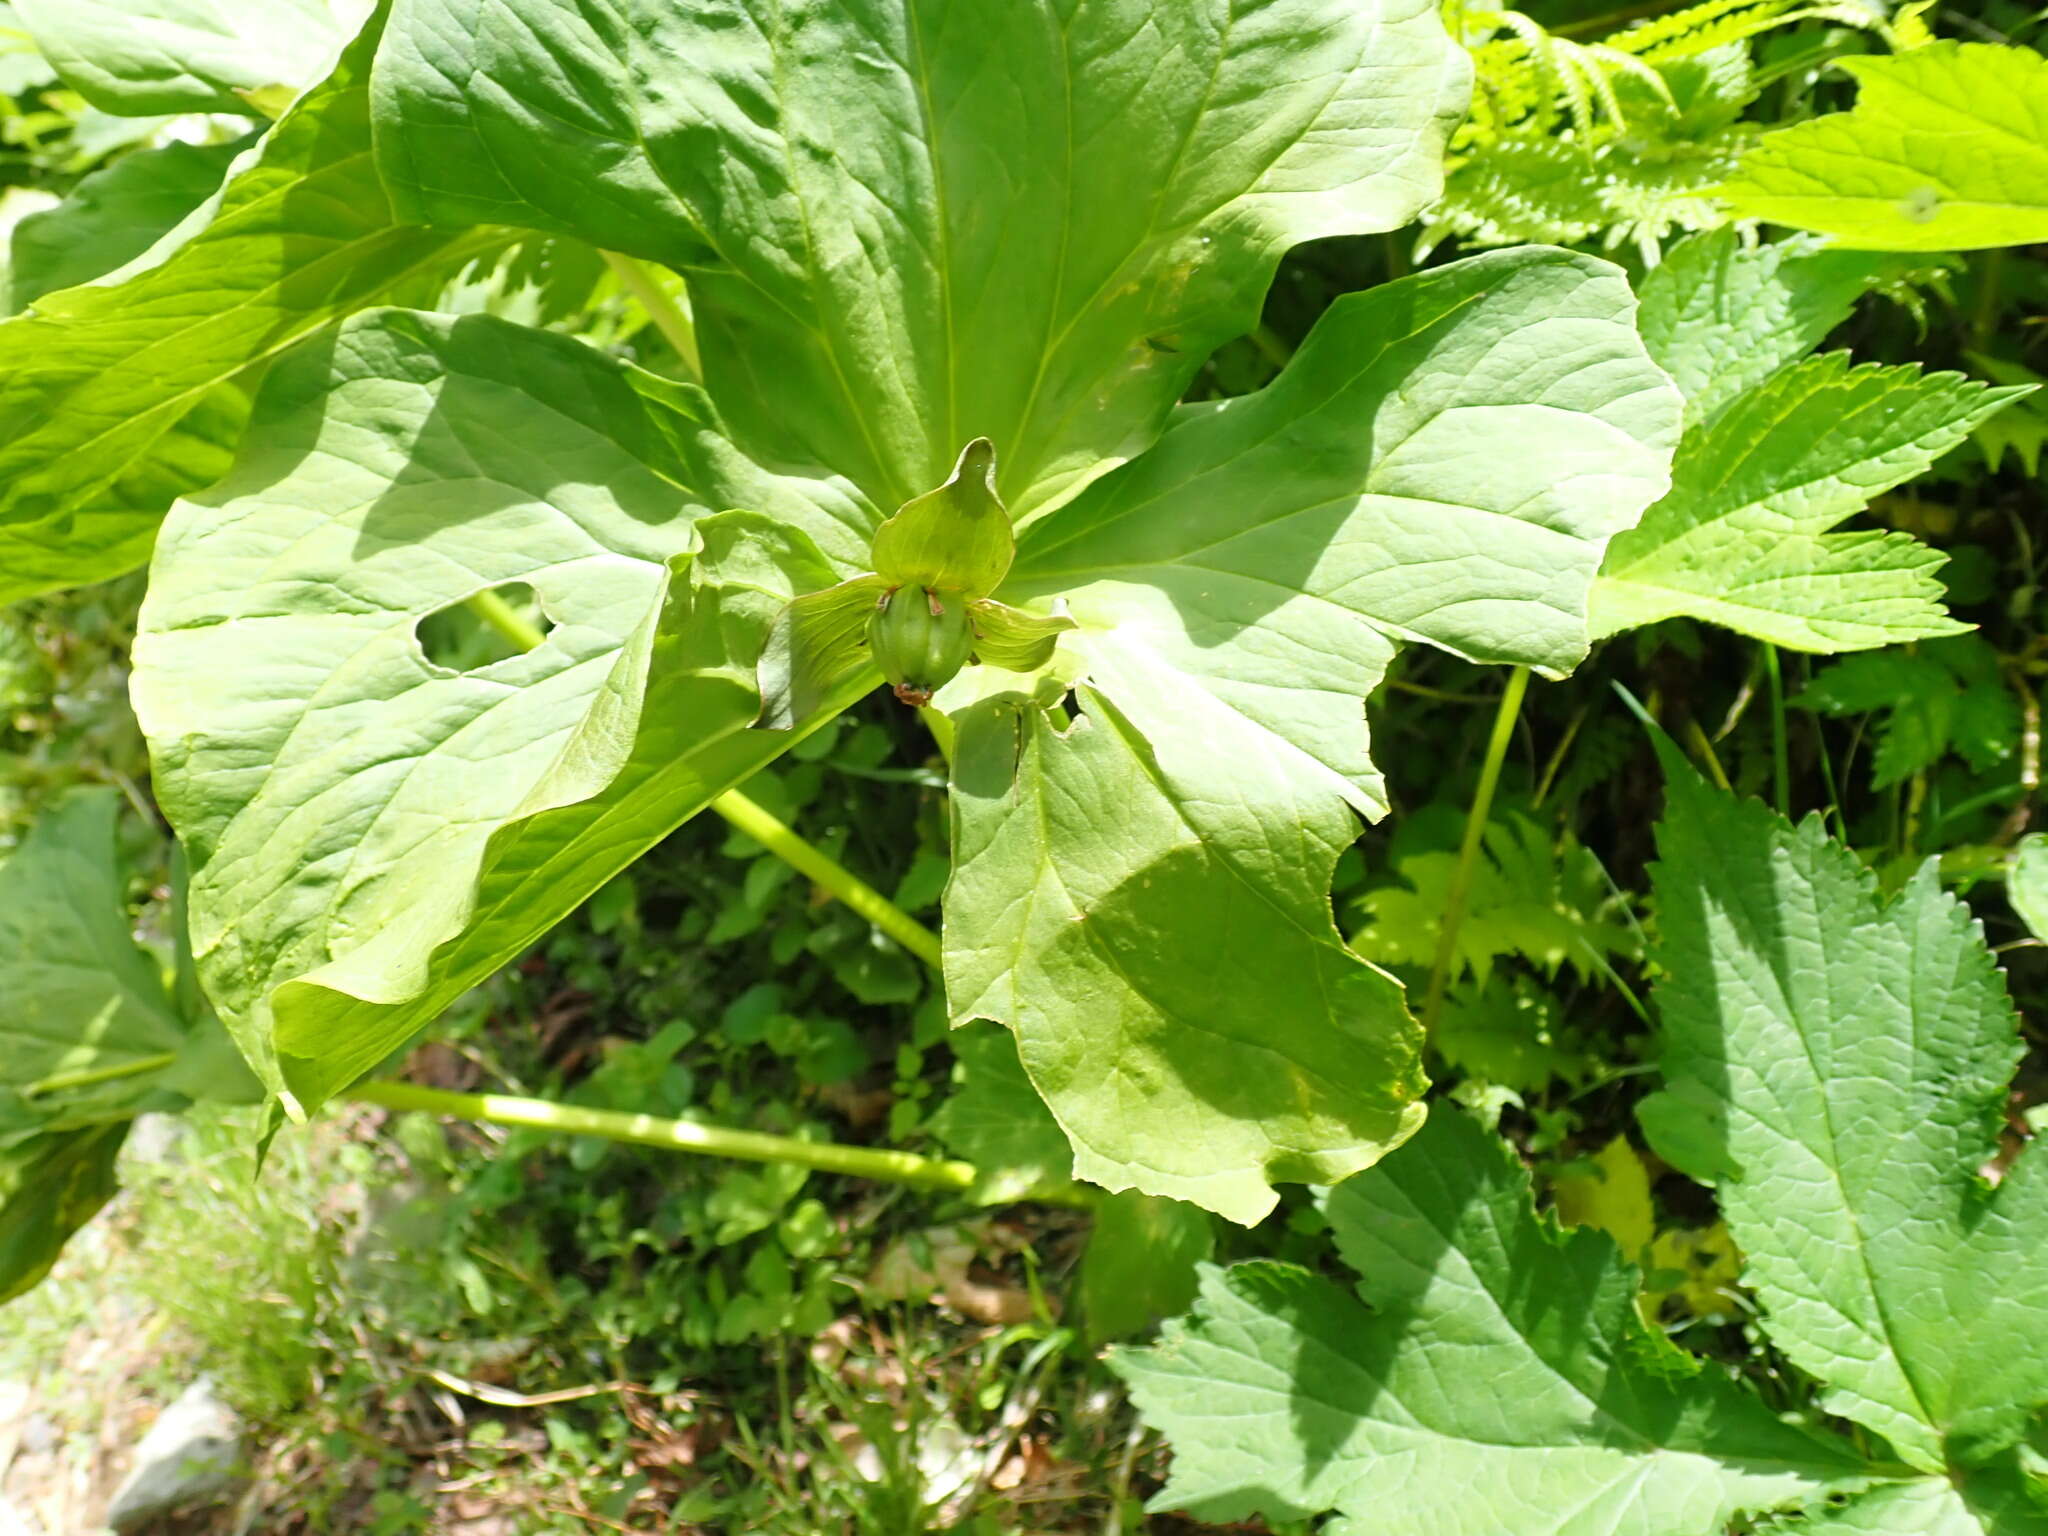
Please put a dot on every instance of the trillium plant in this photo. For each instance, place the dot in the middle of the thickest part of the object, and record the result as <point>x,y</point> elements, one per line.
<point>933,282</point>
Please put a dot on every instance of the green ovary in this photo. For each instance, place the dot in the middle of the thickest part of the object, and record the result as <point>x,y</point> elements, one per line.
<point>920,640</point>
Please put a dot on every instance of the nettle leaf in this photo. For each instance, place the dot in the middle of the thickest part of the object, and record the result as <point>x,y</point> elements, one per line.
<point>1942,696</point>
<point>117,398</point>
<point>1840,1063</point>
<point>909,223</point>
<point>1743,540</point>
<point>1777,452</point>
<point>370,833</point>
<point>1721,317</point>
<point>1444,459</point>
<point>1497,1378</point>
<point>139,58</point>
<point>1945,150</point>
<point>112,217</point>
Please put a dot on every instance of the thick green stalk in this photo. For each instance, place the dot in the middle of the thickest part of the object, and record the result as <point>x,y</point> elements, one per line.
<point>671,1135</point>
<point>756,822</point>
<point>1468,853</point>
<point>807,859</point>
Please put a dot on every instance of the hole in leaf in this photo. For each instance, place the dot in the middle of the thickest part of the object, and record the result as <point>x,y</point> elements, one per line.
<point>490,627</point>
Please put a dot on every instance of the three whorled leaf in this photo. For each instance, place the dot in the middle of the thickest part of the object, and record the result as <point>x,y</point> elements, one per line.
<point>910,223</point>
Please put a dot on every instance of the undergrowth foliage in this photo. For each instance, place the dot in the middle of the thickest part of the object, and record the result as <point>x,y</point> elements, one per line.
<point>543,424</point>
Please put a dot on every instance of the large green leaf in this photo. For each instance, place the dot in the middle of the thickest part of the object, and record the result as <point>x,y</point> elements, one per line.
<point>909,223</point>
<point>371,833</point>
<point>51,1186</point>
<point>140,58</point>
<point>1497,1379</point>
<point>112,217</point>
<point>1743,539</point>
<point>1946,150</point>
<point>1995,1501</point>
<point>80,995</point>
<point>89,1034</point>
<point>1839,1063</point>
<point>119,397</point>
<point>1143,897</point>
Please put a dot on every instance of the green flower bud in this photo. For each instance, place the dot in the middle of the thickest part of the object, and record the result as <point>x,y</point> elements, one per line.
<point>920,640</point>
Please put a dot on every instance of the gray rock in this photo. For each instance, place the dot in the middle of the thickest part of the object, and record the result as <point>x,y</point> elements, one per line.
<point>191,1455</point>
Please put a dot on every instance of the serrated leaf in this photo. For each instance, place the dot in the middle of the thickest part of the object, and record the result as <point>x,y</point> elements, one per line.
<point>1152,922</point>
<point>1846,1059</point>
<point>1944,695</point>
<point>1497,1378</point>
<point>910,223</point>
<point>354,867</point>
<point>1743,538</point>
<point>142,58</point>
<point>1946,149</point>
<point>117,398</point>
<point>1721,317</point>
<point>112,217</point>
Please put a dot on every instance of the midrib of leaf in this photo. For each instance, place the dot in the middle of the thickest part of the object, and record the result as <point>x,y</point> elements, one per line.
<point>827,339</point>
<point>929,120</point>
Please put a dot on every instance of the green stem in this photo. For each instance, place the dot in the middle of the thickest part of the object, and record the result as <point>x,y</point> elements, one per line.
<point>1781,757</point>
<point>87,1077</point>
<point>662,309</point>
<point>671,1135</point>
<point>771,833</point>
<point>511,625</point>
<point>1468,853</point>
<point>807,859</point>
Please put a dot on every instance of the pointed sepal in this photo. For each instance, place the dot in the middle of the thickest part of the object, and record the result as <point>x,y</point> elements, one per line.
<point>1012,639</point>
<point>815,646</point>
<point>954,539</point>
